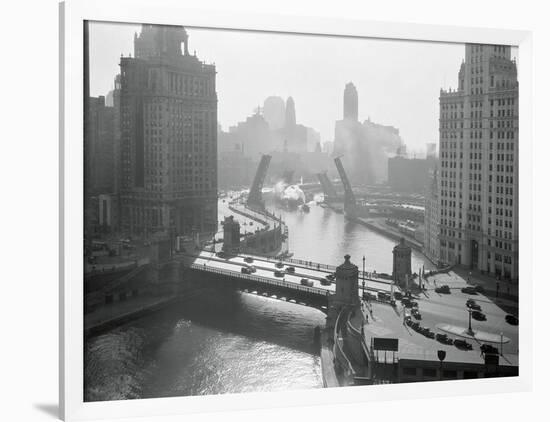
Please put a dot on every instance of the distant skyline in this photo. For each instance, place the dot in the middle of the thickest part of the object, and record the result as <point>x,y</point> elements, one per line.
<point>398,82</point>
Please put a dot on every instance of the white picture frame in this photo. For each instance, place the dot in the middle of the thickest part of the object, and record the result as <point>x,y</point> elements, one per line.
<point>72,15</point>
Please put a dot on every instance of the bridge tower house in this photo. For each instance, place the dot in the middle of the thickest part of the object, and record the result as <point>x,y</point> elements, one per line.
<point>231,235</point>
<point>347,289</point>
<point>401,263</point>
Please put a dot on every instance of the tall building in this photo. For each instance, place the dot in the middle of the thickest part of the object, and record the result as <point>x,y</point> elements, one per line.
<point>351,102</point>
<point>274,112</point>
<point>168,117</point>
<point>100,162</point>
<point>479,163</point>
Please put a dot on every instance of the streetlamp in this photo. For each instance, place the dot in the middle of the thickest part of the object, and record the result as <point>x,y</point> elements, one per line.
<point>470,331</point>
<point>501,343</point>
<point>441,356</point>
<point>363,276</point>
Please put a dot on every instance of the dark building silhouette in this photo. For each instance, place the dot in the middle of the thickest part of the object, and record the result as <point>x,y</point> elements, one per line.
<point>168,117</point>
<point>290,113</point>
<point>100,154</point>
<point>408,174</point>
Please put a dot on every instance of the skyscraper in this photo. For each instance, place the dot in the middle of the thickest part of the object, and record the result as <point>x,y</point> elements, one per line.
<point>479,164</point>
<point>168,107</point>
<point>351,102</point>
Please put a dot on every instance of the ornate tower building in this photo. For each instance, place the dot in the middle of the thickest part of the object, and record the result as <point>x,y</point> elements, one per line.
<point>351,102</point>
<point>479,164</point>
<point>168,121</point>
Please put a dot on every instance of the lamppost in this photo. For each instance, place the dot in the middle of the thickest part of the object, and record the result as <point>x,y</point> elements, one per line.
<point>441,356</point>
<point>501,343</point>
<point>470,331</point>
<point>363,276</point>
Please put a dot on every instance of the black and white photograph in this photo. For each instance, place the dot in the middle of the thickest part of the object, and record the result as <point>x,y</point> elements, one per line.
<point>269,211</point>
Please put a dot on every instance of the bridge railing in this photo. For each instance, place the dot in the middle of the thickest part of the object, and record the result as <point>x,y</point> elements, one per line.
<point>263,280</point>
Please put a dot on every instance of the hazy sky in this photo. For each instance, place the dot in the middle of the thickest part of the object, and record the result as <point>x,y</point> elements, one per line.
<point>398,82</point>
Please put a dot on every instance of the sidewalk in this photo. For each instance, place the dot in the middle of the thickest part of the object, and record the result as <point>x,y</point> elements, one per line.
<point>506,289</point>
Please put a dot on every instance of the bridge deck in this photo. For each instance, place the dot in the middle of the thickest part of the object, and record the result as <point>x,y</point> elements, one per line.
<point>265,271</point>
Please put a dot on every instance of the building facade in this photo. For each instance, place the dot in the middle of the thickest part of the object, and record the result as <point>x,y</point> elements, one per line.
<point>168,118</point>
<point>479,164</point>
<point>431,217</point>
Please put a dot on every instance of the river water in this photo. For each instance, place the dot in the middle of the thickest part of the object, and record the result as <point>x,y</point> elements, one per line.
<point>232,342</point>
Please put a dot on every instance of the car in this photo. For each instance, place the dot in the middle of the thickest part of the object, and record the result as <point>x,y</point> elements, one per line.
<point>416,314</point>
<point>279,264</point>
<point>469,290</point>
<point>443,289</point>
<point>415,326</point>
<point>326,282</point>
<point>221,254</point>
<point>479,289</point>
<point>489,349</point>
<point>443,338</point>
<point>245,270</point>
<point>398,295</point>
<point>331,277</point>
<point>425,331</point>
<point>462,344</point>
<point>249,259</point>
<point>383,296</point>
<point>278,273</point>
<point>251,268</point>
<point>290,270</point>
<point>306,282</point>
<point>408,320</point>
<point>480,316</point>
<point>473,306</point>
<point>414,304</point>
<point>511,319</point>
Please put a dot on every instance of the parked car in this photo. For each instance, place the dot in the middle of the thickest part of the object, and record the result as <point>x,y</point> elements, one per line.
<point>480,316</point>
<point>479,289</point>
<point>382,296</point>
<point>398,295</point>
<point>427,332</point>
<point>415,326</point>
<point>221,254</point>
<point>474,306</point>
<point>290,270</point>
<point>331,277</point>
<point>414,304</point>
<point>249,259</point>
<point>306,282</point>
<point>416,314</point>
<point>443,338</point>
<point>443,289</point>
<point>489,349</point>
<point>245,270</point>
<point>251,268</point>
<point>279,264</point>
<point>462,344</point>
<point>512,319</point>
<point>469,290</point>
<point>326,282</point>
<point>278,273</point>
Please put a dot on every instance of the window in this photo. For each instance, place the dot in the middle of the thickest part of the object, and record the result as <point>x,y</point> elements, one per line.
<point>411,372</point>
<point>449,374</point>
<point>429,372</point>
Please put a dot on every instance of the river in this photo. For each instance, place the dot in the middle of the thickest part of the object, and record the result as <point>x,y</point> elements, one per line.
<point>236,342</point>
